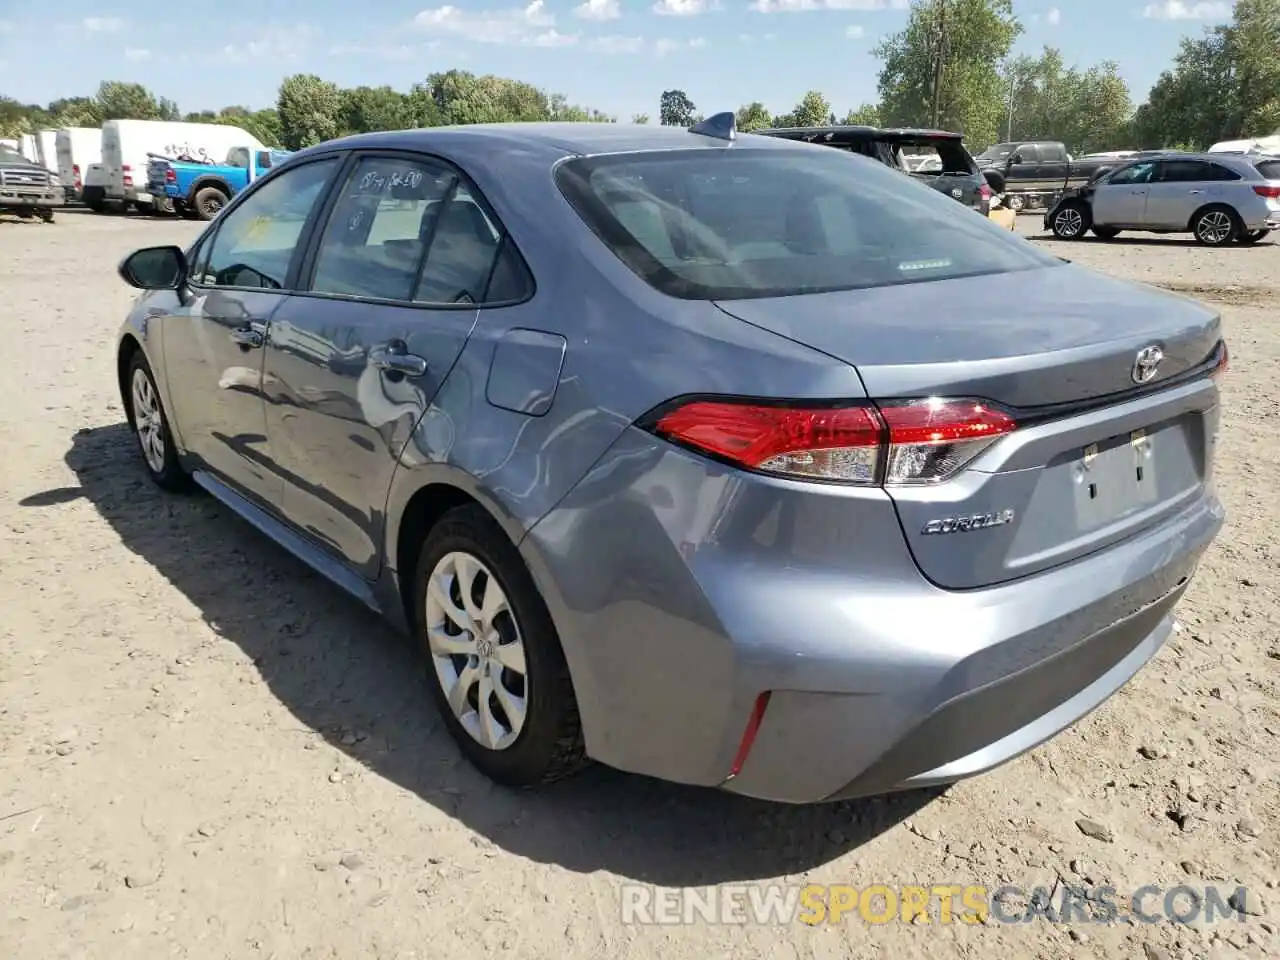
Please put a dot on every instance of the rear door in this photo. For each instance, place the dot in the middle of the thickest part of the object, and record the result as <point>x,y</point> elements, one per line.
<point>396,280</point>
<point>1178,190</point>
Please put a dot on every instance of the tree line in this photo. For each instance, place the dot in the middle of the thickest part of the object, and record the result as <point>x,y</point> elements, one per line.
<point>950,66</point>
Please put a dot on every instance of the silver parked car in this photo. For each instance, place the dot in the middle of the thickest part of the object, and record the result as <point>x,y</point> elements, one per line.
<point>730,460</point>
<point>1218,198</point>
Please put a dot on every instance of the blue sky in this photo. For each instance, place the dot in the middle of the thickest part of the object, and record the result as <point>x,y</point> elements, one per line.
<point>616,55</point>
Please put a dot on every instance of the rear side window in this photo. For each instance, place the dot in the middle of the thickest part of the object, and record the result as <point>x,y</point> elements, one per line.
<point>1186,171</point>
<point>742,223</point>
<point>1269,169</point>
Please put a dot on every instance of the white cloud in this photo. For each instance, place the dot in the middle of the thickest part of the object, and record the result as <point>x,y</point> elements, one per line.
<point>1054,16</point>
<point>137,54</point>
<point>598,10</point>
<point>658,48</point>
<point>805,6</point>
<point>854,31</point>
<point>102,24</point>
<point>553,38</point>
<point>681,8</point>
<point>1182,10</point>
<point>272,42</point>
<point>507,26</point>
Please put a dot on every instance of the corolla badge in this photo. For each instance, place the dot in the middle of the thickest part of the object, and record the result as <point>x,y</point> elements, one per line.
<point>957,193</point>
<point>1146,363</point>
<point>975,521</point>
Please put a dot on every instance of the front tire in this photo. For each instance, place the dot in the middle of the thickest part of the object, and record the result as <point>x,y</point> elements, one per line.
<point>1215,226</point>
<point>495,666</point>
<point>1071,221</point>
<point>151,428</point>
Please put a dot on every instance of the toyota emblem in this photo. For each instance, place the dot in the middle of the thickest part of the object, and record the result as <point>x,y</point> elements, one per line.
<point>1146,363</point>
<point>957,193</point>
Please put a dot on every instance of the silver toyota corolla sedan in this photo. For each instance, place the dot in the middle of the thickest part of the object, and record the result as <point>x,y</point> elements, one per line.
<point>721,458</point>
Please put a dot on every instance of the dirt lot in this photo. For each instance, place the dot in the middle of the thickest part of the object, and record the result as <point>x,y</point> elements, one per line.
<point>206,752</point>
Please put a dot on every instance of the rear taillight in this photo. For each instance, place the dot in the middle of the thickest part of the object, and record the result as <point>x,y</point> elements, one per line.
<point>891,443</point>
<point>1268,191</point>
<point>1223,360</point>
<point>170,176</point>
<point>75,174</point>
<point>984,191</point>
<point>126,172</point>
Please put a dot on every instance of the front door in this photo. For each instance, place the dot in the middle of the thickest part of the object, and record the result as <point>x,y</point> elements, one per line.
<point>213,345</point>
<point>1121,199</point>
<point>398,274</point>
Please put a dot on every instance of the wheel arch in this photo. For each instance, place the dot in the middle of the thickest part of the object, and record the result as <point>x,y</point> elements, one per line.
<point>125,352</point>
<point>208,181</point>
<point>1214,205</point>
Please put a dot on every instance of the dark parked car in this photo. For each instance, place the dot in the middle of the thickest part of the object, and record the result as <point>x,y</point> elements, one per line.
<point>1034,172</point>
<point>1219,198</point>
<point>27,189</point>
<point>955,174</point>
<point>728,460</point>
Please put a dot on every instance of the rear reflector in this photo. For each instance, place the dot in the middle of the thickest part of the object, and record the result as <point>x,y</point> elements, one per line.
<point>749,734</point>
<point>1268,191</point>
<point>898,442</point>
<point>1223,361</point>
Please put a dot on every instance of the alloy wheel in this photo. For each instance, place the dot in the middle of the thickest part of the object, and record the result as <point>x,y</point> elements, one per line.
<point>1214,227</point>
<point>1069,222</point>
<point>477,650</point>
<point>148,421</point>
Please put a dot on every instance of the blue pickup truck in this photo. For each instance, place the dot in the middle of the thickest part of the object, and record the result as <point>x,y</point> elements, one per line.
<point>200,190</point>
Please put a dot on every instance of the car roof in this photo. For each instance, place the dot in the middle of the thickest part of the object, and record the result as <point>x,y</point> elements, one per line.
<point>850,132</point>
<point>544,142</point>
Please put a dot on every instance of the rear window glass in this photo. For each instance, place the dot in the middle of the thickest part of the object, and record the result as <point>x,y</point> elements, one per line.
<point>731,224</point>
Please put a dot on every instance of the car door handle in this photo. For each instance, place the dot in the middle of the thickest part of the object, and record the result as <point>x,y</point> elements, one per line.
<point>395,358</point>
<point>1193,192</point>
<point>249,337</point>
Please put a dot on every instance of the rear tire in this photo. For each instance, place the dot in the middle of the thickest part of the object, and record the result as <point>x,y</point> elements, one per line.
<point>1252,237</point>
<point>145,209</point>
<point>1216,226</point>
<point>150,426</point>
<point>1105,233</point>
<point>470,644</point>
<point>208,202</point>
<point>45,214</point>
<point>1071,221</point>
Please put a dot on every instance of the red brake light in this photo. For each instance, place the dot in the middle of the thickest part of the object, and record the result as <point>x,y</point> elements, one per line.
<point>984,191</point>
<point>1223,362</point>
<point>75,168</point>
<point>170,176</point>
<point>1268,191</point>
<point>921,441</point>
<point>749,734</point>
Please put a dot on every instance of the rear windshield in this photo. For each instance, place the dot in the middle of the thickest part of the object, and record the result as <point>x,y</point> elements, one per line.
<point>735,224</point>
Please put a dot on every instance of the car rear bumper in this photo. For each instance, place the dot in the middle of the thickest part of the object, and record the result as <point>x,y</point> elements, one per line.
<point>683,591</point>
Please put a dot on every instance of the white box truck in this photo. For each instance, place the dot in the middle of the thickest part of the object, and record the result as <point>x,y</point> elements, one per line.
<point>77,147</point>
<point>127,143</point>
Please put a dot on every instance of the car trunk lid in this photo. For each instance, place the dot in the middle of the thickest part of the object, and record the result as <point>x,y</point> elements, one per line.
<point>1097,457</point>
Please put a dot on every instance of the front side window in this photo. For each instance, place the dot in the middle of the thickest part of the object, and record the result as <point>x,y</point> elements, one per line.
<point>712,224</point>
<point>256,241</point>
<point>378,232</point>
<point>1138,173</point>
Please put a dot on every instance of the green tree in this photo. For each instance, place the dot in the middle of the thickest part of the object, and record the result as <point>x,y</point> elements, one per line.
<point>366,109</point>
<point>675,109</point>
<point>310,110</point>
<point>813,110</point>
<point>462,97</point>
<point>867,115</point>
<point>955,46</point>
<point>1087,110</point>
<point>117,100</point>
<point>1224,85</point>
<point>639,118</point>
<point>752,116</point>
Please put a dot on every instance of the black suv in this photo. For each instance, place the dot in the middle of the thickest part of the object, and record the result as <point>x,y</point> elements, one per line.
<point>27,189</point>
<point>954,172</point>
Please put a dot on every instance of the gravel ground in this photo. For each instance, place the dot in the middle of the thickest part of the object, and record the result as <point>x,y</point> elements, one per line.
<point>206,752</point>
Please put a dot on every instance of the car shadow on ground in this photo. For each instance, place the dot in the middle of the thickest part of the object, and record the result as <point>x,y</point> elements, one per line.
<point>1148,240</point>
<point>353,680</point>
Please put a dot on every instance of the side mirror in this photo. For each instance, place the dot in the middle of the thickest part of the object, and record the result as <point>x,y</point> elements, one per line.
<point>154,268</point>
<point>1016,158</point>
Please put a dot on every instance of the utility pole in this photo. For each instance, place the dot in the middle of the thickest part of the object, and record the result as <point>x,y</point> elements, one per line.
<point>940,59</point>
<point>1013,80</point>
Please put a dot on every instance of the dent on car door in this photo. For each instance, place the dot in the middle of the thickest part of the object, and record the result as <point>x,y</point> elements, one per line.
<point>397,275</point>
<point>213,344</point>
